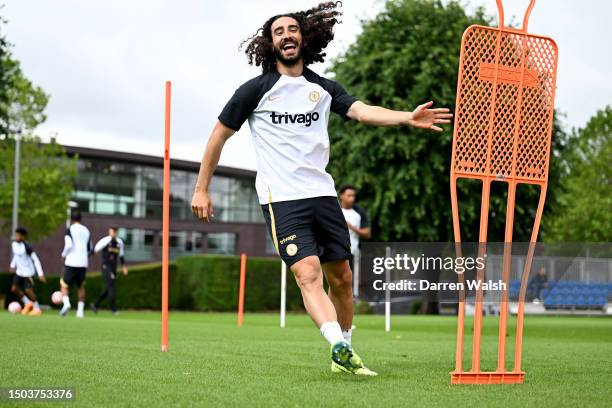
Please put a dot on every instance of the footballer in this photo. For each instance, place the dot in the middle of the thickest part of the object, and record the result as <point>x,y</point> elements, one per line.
<point>288,108</point>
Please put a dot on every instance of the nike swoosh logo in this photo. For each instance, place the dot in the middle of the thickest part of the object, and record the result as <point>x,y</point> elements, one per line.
<point>273,97</point>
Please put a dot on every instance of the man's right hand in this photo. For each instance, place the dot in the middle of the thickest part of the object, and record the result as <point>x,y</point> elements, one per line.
<point>202,206</point>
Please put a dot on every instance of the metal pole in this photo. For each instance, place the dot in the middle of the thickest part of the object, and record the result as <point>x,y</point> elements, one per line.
<point>388,294</point>
<point>16,184</point>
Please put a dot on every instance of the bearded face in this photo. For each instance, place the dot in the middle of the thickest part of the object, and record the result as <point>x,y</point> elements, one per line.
<point>287,40</point>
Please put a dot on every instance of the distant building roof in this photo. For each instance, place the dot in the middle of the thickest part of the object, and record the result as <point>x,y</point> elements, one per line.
<point>90,153</point>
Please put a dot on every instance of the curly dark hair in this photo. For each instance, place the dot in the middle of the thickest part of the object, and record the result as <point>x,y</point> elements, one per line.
<point>317,28</point>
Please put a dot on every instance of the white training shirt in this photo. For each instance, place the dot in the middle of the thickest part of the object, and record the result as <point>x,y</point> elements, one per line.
<point>25,264</point>
<point>354,218</point>
<point>77,245</point>
<point>103,242</point>
<point>288,117</point>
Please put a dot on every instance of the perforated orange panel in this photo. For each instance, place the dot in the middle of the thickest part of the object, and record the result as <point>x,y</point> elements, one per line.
<point>503,121</point>
<point>503,129</point>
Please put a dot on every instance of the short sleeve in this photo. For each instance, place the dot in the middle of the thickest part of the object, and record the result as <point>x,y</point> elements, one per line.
<point>365,223</point>
<point>341,100</point>
<point>240,106</point>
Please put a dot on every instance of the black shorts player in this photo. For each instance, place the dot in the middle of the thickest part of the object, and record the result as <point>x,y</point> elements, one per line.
<point>74,276</point>
<point>23,283</point>
<point>288,108</point>
<point>112,249</point>
<point>308,227</point>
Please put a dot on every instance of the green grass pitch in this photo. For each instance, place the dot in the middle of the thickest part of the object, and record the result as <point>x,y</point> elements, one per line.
<point>117,361</point>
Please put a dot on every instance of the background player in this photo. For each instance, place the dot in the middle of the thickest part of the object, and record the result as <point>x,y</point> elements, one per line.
<point>25,264</point>
<point>288,107</point>
<point>77,247</point>
<point>112,253</point>
<point>356,220</point>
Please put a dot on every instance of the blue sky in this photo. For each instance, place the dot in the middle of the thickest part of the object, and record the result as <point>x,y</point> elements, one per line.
<point>105,62</point>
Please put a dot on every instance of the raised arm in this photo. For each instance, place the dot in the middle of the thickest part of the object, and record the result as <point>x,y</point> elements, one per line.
<point>200,202</point>
<point>423,116</point>
<point>102,243</point>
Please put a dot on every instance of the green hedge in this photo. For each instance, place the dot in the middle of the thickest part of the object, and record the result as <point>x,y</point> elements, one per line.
<point>211,283</point>
<point>201,282</point>
<point>139,290</point>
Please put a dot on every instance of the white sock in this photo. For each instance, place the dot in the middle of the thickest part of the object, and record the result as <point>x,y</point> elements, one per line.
<point>347,334</point>
<point>80,307</point>
<point>332,332</point>
<point>25,300</point>
<point>66,301</point>
<point>36,305</point>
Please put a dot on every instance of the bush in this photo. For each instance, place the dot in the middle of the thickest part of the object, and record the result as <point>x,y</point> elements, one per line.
<point>199,282</point>
<point>141,289</point>
<point>210,282</point>
<point>362,307</point>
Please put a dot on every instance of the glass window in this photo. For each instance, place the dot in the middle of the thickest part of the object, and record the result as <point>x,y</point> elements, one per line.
<point>197,239</point>
<point>270,248</point>
<point>139,244</point>
<point>153,209</point>
<point>178,186</point>
<point>222,243</point>
<point>106,187</point>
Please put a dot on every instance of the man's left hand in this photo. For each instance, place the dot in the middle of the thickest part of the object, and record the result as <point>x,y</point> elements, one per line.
<point>425,118</point>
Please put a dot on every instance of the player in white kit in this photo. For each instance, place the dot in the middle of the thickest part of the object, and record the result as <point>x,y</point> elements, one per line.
<point>287,108</point>
<point>77,248</point>
<point>25,264</point>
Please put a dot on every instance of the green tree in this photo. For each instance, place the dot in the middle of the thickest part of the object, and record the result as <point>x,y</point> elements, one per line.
<point>46,172</point>
<point>584,207</point>
<point>22,104</point>
<point>46,182</point>
<point>405,56</point>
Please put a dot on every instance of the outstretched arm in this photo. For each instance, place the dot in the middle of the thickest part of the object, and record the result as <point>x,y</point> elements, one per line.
<point>423,116</point>
<point>200,202</point>
<point>102,243</point>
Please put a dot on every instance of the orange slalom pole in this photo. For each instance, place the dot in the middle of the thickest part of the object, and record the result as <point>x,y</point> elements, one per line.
<point>518,352</point>
<point>460,278</point>
<point>482,242</point>
<point>166,221</point>
<point>507,264</point>
<point>243,260</point>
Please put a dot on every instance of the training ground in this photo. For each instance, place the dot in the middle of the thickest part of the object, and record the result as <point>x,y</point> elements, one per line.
<point>117,360</point>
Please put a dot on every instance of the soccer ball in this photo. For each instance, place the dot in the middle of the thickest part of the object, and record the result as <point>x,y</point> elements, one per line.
<point>14,307</point>
<point>56,297</point>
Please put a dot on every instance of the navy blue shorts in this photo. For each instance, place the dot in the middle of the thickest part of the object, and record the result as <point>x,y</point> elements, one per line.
<point>22,282</point>
<point>308,227</point>
<point>73,276</point>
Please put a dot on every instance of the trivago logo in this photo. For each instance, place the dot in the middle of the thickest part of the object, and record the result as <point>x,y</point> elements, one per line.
<point>286,118</point>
